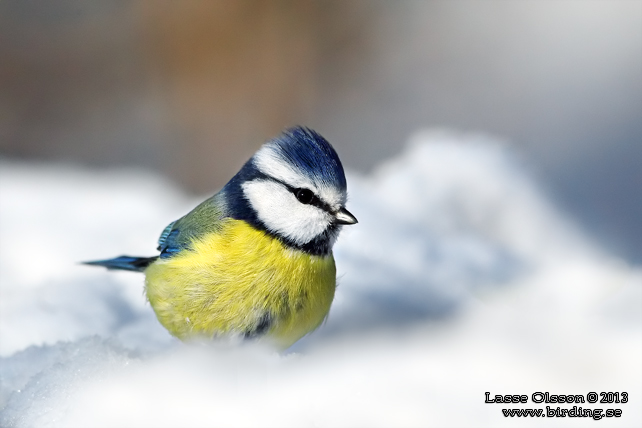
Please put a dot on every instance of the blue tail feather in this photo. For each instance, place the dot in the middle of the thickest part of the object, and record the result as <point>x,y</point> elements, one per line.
<point>136,264</point>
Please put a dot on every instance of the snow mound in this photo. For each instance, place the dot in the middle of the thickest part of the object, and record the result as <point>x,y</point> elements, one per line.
<point>460,278</point>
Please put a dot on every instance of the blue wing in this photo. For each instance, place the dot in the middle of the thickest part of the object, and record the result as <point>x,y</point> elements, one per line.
<point>179,234</point>
<point>169,242</point>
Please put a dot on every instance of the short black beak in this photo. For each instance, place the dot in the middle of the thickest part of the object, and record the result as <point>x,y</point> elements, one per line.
<point>344,217</point>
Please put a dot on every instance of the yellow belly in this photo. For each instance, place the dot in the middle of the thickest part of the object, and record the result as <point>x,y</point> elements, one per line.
<point>229,280</point>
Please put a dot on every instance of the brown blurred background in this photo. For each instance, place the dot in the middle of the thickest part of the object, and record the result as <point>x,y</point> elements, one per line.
<point>192,88</point>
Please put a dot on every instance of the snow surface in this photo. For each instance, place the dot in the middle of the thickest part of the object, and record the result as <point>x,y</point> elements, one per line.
<point>460,278</point>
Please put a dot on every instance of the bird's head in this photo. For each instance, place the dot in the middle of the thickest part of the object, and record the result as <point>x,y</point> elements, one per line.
<point>294,188</point>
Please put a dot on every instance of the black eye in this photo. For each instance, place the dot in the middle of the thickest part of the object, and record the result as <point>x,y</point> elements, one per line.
<point>304,196</point>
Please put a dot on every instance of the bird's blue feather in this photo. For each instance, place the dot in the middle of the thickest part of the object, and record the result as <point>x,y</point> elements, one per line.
<point>164,235</point>
<point>171,244</point>
<point>310,152</point>
<point>136,264</point>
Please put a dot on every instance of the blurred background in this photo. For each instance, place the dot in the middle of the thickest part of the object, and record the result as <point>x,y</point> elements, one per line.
<point>462,276</point>
<point>192,88</point>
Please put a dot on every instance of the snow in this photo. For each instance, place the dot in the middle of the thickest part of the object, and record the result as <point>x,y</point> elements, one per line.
<point>460,278</point>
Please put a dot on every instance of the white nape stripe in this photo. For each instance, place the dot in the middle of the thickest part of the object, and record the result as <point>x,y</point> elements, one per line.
<point>271,163</point>
<point>283,214</point>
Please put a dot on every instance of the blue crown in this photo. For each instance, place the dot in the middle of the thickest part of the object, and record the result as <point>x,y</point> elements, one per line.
<point>308,151</point>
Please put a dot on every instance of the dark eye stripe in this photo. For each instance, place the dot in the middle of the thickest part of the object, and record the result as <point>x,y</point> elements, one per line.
<point>315,201</point>
<point>307,197</point>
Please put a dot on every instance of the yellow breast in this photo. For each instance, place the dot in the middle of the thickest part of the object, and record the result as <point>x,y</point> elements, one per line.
<point>240,280</point>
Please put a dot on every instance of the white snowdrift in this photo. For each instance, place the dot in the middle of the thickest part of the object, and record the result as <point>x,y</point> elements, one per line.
<point>459,279</point>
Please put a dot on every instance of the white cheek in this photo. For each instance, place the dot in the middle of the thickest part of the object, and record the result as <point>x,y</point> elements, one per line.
<point>282,213</point>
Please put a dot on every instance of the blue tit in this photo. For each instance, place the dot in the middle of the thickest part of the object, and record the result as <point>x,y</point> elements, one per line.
<point>255,260</point>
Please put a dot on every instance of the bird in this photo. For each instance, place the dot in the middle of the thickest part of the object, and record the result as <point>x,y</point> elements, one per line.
<point>255,260</point>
